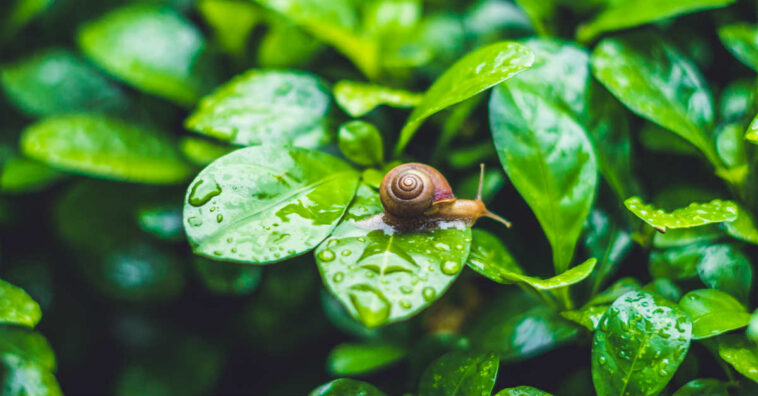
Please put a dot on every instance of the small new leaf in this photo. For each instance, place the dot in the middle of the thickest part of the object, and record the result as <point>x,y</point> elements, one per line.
<point>696,214</point>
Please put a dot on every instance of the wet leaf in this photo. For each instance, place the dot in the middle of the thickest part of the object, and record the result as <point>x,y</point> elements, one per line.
<point>741,354</point>
<point>588,316</point>
<point>702,387</point>
<point>639,344</point>
<point>359,98</point>
<point>16,307</point>
<point>752,131</point>
<point>154,49</point>
<point>626,14</point>
<point>28,346</point>
<point>713,312</point>
<point>57,81</point>
<point>470,75</point>
<point>694,215</point>
<point>264,204</point>
<point>460,373</point>
<point>346,386</point>
<point>743,228</point>
<point>740,40</point>
<point>659,83</point>
<point>262,106</point>
<point>522,391</point>
<point>104,147</point>
<point>357,359</point>
<point>382,276</point>
<point>361,143</point>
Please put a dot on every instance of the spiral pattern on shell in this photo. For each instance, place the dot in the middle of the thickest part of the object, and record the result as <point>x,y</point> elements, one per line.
<point>409,190</point>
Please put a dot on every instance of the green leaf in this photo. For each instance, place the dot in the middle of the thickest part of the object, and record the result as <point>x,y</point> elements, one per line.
<point>261,107</point>
<point>264,204</point>
<point>752,327</point>
<point>740,40</point>
<point>703,386</point>
<point>202,152</point>
<point>346,386</point>
<point>285,45</point>
<point>27,345</point>
<point>588,316</point>
<point>737,101</point>
<point>22,377</point>
<point>609,242</point>
<point>359,98</point>
<point>694,215</point>
<point>154,49</point>
<point>383,277</point>
<point>16,307</point>
<point>470,75</point>
<point>659,83</point>
<point>741,354</point>
<point>22,175</point>
<point>227,278</point>
<point>664,288</point>
<point>56,81</point>
<point>357,359</point>
<point>616,290</point>
<point>21,13</point>
<point>541,13</point>
<point>743,228</point>
<point>460,373</point>
<point>334,22</point>
<point>232,22</point>
<point>639,344</point>
<point>752,131</point>
<point>626,14</point>
<point>104,147</point>
<point>522,391</point>
<point>361,143</point>
<point>544,149</point>
<point>713,312</point>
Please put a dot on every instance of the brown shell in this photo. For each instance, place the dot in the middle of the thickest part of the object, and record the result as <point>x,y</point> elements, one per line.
<point>411,189</point>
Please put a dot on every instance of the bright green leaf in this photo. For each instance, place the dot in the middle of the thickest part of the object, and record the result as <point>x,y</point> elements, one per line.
<point>639,344</point>
<point>752,131</point>
<point>356,359</point>
<point>358,98</point>
<point>16,307</point>
<point>740,39</point>
<point>264,204</point>
<point>470,75</point>
<point>741,354</point>
<point>22,175</point>
<point>104,147</point>
<point>361,143</point>
<point>27,345</point>
<point>346,386</point>
<point>260,107</point>
<point>23,377</point>
<point>743,228</point>
<point>713,312</point>
<point>696,214</point>
<point>232,22</point>
<point>460,373</point>
<point>588,316</point>
<point>202,152</point>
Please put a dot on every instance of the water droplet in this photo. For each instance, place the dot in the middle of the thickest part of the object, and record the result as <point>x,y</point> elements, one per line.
<point>405,289</point>
<point>370,304</point>
<point>219,218</point>
<point>195,221</point>
<point>361,239</point>
<point>326,255</point>
<point>405,304</point>
<point>337,278</point>
<point>450,267</point>
<point>346,252</point>
<point>229,240</point>
<point>202,192</point>
<point>234,250</point>
<point>429,293</point>
<point>602,360</point>
<point>218,252</point>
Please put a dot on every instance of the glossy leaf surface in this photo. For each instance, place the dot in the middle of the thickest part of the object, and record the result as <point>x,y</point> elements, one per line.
<point>356,359</point>
<point>260,106</point>
<point>740,39</point>
<point>460,373</point>
<point>588,316</point>
<point>713,312</point>
<point>358,98</point>
<point>752,131</point>
<point>696,214</point>
<point>639,344</point>
<point>743,227</point>
<point>382,276</point>
<point>264,204</point>
<point>741,354</point>
<point>470,75</point>
<point>361,143</point>
<point>16,307</point>
<point>104,147</point>
<point>152,48</point>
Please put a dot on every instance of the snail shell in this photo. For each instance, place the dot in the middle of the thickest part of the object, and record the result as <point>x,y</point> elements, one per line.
<point>412,189</point>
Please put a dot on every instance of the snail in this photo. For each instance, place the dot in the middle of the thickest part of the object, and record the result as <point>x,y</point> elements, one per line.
<point>417,197</point>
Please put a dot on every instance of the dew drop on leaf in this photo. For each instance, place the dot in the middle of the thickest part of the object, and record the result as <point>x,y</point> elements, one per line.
<point>372,306</point>
<point>326,255</point>
<point>429,293</point>
<point>202,192</point>
<point>450,267</point>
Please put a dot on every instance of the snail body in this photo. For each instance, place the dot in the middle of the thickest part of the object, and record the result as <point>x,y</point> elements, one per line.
<point>417,197</point>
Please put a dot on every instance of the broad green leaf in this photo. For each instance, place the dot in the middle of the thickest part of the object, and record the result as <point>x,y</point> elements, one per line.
<point>361,143</point>
<point>752,131</point>
<point>232,22</point>
<point>285,45</point>
<point>743,228</point>
<point>264,204</point>
<point>588,316</point>
<point>639,344</point>
<point>703,386</point>
<point>154,49</point>
<point>522,391</point>
<point>260,107</point>
<point>470,75</point>
<point>16,307</point>
<point>356,359</point>
<point>460,373</point>
<point>335,22</point>
<point>22,175</point>
<point>104,147</point>
<point>544,149</point>
<point>737,102</point>
<point>381,276</point>
<point>626,14</point>
<point>359,98</point>
<point>227,278</point>
<point>541,13</point>
<point>741,354</point>
<point>713,312</point>
<point>740,39</point>
<point>491,258</point>
<point>22,377</point>
<point>659,83</point>
<point>696,214</point>
<point>731,148</point>
<point>27,345</point>
<point>346,386</point>
<point>56,81</point>
<point>606,240</point>
<point>202,152</point>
